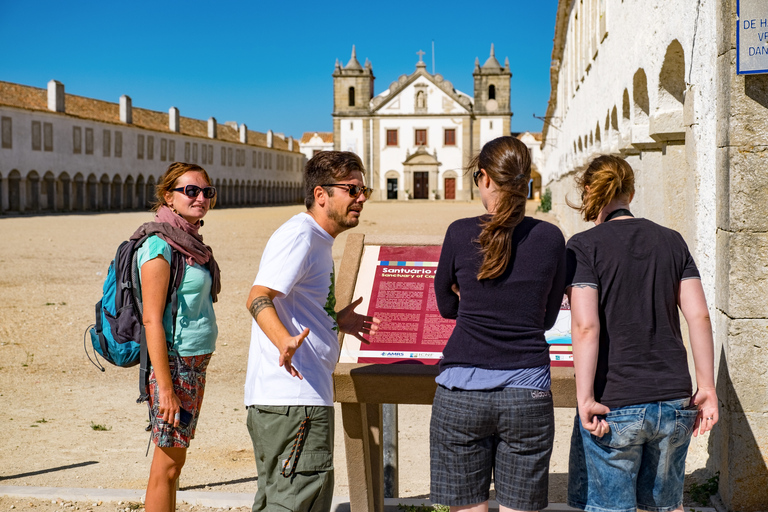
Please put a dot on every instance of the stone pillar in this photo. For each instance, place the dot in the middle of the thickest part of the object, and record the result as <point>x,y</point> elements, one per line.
<point>174,120</point>
<point>739,442</point>
<point>243,134</point>
<point>126,109</point>
<point>212,127</point>
<point>56,96</point>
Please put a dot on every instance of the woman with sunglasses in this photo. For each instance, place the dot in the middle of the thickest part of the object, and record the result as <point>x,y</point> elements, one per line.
<point>179,351</point>
<point>501,276</point>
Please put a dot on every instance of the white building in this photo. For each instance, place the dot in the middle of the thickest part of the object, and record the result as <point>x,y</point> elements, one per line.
<point>62,152</point>
<point>417,136</point>
<point>312,143</point>
<point>656,82</point>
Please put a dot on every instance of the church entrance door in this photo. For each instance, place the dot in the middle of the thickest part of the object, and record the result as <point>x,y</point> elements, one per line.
<point>420,185</point>
<point>391,188</point>
<point>450,188</point>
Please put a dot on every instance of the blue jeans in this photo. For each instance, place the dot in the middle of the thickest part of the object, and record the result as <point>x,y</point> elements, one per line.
<point>640,463</point>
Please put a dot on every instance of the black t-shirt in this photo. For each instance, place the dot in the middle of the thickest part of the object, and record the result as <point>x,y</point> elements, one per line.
<point>500,322</point>
<point>637,267</point>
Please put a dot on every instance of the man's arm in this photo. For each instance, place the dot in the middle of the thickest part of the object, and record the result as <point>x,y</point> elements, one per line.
<point>262,309</point>
<point>585,335</point>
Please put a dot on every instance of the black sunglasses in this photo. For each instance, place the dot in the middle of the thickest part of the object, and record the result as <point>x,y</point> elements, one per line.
<point>194,191</point>
<point>476,176</point>
<point>354,190</point>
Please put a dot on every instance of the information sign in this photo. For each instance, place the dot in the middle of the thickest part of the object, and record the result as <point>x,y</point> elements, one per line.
<point>752,37</point>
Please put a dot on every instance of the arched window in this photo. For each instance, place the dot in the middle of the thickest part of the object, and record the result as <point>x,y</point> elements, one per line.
<point>491,92</point>
<point>351,96</point>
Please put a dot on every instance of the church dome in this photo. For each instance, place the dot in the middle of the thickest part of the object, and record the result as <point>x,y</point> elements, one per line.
<point>353,62</point>
<point>492,63</point>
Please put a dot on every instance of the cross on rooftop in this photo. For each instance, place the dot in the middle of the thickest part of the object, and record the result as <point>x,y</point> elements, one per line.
<point>420,53</point>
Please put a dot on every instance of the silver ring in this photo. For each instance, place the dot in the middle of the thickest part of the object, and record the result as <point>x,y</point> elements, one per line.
<point>178,415</point>
<point>711,418</point>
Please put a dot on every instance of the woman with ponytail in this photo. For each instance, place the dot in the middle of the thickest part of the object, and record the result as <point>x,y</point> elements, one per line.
<point>501,276</point>
<point>626,278</point>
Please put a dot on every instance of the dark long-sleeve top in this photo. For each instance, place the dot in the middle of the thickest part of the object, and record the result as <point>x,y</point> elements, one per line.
<point>500,322</point>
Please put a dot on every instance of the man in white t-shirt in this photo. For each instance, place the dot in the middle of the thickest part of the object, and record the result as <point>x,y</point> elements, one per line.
<point>294,340</point>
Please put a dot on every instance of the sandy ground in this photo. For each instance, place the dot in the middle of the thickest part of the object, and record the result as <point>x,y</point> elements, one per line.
<point>51,397</point>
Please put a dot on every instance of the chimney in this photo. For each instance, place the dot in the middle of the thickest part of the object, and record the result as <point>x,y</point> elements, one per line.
<point>290,143</point>
<point>173,120</point>
<point>211,127</point>
<point>126,110</point>
<point>270,143</point>
<point>243,134</point>
<point>55,96</point>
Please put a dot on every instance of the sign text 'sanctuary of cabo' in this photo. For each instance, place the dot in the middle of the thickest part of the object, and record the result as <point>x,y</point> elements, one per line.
<point>752,37</point>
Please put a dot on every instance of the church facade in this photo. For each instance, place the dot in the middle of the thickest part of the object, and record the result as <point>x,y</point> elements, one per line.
<point>416,137</point>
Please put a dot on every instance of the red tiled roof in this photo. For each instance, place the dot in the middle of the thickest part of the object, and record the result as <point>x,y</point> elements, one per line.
<point>34,98</point>
<point>326,136</point>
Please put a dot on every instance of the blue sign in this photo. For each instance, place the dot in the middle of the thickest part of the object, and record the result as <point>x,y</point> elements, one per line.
<point>751,37</point>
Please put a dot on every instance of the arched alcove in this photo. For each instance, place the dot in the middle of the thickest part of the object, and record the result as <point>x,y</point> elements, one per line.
<point>625,108</point>
<point>150,191</point>
<point>14,191</point>
<point>105,189</point>
<point>128,193</point>
<point>141,192</point>
<point>33,191</point>
<point>79,192</point>
<point>92,193</point>
<point>641,102</point>
<point>672,78</point>
<point>64,199</point>
<point>117,193</point>
<point>49,188</point>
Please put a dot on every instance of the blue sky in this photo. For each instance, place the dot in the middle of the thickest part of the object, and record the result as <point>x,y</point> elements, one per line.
<point>268,64</point>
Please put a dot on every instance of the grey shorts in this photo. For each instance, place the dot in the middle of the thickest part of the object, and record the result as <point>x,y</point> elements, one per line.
<point>507,432</point>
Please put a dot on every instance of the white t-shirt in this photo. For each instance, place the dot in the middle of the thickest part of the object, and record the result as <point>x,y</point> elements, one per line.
<point>298,264</point>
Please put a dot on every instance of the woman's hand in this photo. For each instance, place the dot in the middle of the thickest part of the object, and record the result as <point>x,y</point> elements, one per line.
<point>169,406</point>
<point>588,414</point>
<point>705,400</point>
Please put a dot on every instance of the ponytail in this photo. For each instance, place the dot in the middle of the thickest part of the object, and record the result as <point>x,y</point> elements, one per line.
<point>607,178</point>
<point>507,162</point>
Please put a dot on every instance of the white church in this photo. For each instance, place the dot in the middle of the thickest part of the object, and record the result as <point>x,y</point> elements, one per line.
<point>416,137</point>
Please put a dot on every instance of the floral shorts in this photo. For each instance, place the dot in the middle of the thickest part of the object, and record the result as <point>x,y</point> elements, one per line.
<point>188,375</point>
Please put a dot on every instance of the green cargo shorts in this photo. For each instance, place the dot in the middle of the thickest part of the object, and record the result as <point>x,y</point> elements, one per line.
<point>273,430</point>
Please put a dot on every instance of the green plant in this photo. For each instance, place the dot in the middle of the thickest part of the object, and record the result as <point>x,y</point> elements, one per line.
<point>100,428</point>
<point>42,421</point>
<point>423,508</point>
<point>546,201</point>
<point>700,493</point>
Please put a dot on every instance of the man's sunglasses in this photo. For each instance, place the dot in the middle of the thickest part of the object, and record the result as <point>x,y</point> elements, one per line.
<point>354,190</point>
<point>193,191</point>
<point>476,176</point>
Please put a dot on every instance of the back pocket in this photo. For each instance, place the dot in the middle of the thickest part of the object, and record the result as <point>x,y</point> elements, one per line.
<point>685,419</point>
<point>625,425</point>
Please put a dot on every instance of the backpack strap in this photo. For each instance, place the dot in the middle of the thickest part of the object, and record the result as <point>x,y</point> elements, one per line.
<point>177,276</point>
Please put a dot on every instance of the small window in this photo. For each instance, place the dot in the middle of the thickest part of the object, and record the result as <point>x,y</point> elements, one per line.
<point>36,136</point>
<point>229,157</point>
<point>89,141</point>
<point>77,140</point>
<point>351,96</point>
<point>48,137</point>
<point>204,154</point>
<point>150,148</point>
<point>223,156</point>
<point>171,150</point>
<point>140,147</point>
<point>210,154</point>
<point>118,144</point>
<point>421,138</point>
<point>187,151</point>
<point>106,143</point>
<point>391,137</point>
<point>163,150</point>
<point>194,153</point>
<point>260,161</point>
<point>7,133</point>
<point>491,92</point>
<point>449,138</point>
<point>253,159</point>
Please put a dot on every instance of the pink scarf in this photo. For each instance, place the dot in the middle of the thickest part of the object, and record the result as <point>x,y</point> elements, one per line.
<point>183,237</point>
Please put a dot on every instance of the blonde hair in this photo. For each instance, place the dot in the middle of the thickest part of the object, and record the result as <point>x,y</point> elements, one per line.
<point>507,162</point>
<point>167,182</point>
<point>607,178</point>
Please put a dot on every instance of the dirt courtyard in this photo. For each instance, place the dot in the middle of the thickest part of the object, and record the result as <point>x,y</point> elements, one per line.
<point>68,425</point>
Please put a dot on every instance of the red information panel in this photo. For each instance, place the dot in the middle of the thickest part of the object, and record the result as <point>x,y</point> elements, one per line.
<point>399,285</point>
